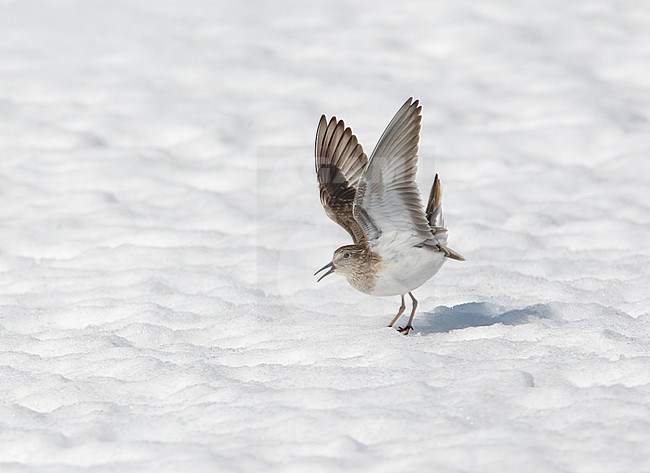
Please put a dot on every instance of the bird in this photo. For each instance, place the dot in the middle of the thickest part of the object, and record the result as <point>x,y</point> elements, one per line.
<point>398,244</point>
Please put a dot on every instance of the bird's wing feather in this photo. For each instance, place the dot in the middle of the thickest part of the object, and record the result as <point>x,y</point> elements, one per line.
<point>340,162</point>
<point>437,221</point>
<point>435,216</point>
<point>388,200</point>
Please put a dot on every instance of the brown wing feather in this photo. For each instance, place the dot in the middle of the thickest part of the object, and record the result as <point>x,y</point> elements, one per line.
<point>434,207</point>
<point>437,221</point>
<point>340,162</point>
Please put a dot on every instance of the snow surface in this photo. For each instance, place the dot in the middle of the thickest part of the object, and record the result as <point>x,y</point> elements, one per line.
<point>160,225</point>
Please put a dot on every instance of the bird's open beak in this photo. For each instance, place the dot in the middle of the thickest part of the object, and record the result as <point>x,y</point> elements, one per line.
<point>328,265</point>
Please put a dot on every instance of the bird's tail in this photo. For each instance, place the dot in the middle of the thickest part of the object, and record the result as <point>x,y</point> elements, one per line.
<point>449,253</point>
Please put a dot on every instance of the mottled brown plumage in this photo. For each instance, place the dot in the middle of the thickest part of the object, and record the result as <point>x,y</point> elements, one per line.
<point>340,162</point>
<point>359,265</point>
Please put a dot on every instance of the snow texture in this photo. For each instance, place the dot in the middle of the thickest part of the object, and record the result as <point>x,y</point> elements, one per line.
<point>160,225</point>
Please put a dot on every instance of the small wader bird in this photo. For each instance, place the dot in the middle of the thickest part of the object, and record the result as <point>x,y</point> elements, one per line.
<point>398,245</point>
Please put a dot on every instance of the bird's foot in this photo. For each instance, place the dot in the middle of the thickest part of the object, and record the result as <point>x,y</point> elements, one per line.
<point>405,330</point>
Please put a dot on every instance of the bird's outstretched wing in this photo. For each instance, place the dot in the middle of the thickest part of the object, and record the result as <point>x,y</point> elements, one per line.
<point>436,220</point>
<point>340,162</point>
<point>387,203</point>
<point>434,211</point>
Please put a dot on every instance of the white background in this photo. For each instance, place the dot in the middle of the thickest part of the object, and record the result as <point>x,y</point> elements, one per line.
<point>160,225</point>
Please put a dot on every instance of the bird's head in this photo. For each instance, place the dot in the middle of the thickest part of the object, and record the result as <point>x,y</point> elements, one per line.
<point>345,260</point>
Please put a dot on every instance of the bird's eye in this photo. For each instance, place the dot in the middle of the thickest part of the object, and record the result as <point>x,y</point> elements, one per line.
<point>346,255</point>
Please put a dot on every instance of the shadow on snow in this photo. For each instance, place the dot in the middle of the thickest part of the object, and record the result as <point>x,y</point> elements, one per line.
<point>476,314</point>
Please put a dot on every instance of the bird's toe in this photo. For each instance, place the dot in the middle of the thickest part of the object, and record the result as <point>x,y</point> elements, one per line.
<point>405,330</point>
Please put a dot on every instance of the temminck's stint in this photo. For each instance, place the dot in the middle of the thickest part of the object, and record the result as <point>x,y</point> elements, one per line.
<point>398,246</point>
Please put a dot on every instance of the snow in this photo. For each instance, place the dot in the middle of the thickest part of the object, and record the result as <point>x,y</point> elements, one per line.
<point>160,226</point>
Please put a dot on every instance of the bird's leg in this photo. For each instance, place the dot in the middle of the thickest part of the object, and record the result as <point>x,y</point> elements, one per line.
<point>399,313</point>
<point>407,329</point>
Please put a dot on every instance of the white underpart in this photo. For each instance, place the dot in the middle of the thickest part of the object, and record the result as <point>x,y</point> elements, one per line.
<point>405,268</point>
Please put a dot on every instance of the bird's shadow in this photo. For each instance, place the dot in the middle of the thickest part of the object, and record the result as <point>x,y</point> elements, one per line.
<point>477,314</point>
